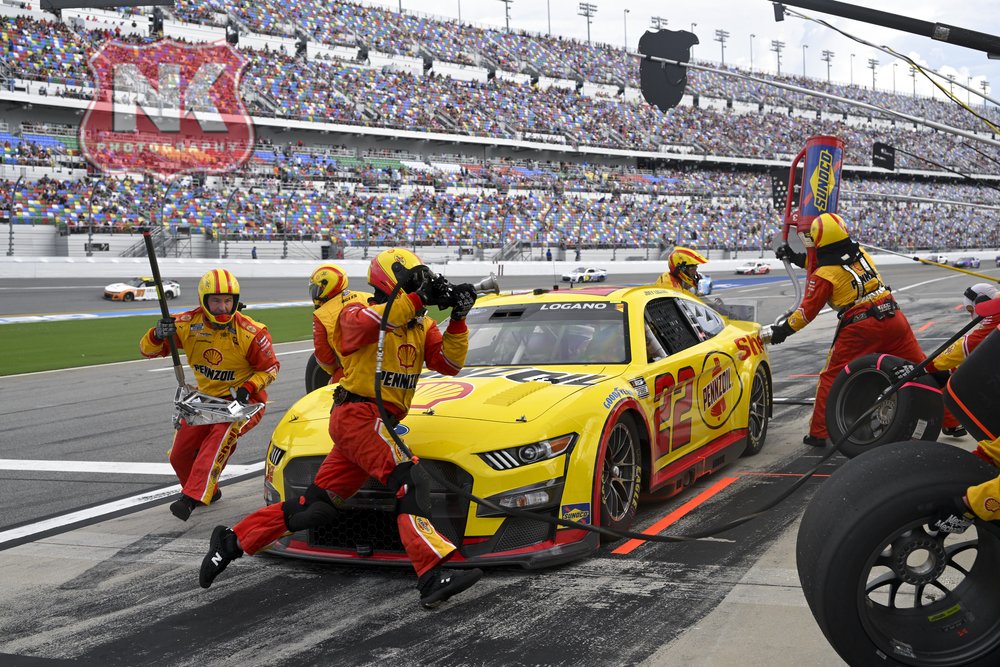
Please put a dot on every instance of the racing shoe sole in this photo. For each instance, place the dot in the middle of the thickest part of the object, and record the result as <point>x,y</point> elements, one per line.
<point>447,583</point>
<point>218,556</point>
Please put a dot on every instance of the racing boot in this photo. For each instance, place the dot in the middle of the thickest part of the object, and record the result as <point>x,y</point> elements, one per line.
<point>223,549</point>
<point>439,584</point>
<point>954,431</point>
<point>181,508</point>
<point>814,441</point>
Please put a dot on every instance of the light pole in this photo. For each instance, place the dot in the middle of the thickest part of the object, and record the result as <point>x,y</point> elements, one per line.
<point>777,46</point>
<point>587,9</point>
<point>804,47</point>
<point>548,13</point>
<point>658,22</point>
<point>872,64</point>
<point>692,46</point>
<point>90,217</point>
<point>751,51</point>
<point>10,217</point>
<point>984,84</point>
<point>459,12</point>
<point>894,78</point>
<point>852,69</point>
<point>968,90</point>
<point>827,57</point>
<point>913,75</point>
<point>625,27</point>
<point>721,36</point>
<point>507,11</point>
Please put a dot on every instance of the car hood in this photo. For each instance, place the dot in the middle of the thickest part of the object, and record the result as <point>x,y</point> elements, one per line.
<point>118,287</point>
<point>509,394</point>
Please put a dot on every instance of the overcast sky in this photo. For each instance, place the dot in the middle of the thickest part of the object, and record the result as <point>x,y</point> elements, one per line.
<point>741,18</point>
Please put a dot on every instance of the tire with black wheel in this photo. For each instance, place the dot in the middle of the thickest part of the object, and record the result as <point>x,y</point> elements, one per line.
<point>759,412</point>
<point>168,295</point>
<point>914,412</point>
<point>883,585</point>
<point>128,296</point>
<point>316,377</point>
<point>620,475</point>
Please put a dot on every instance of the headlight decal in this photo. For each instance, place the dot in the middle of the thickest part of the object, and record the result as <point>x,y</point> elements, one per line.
<point>510,458</point>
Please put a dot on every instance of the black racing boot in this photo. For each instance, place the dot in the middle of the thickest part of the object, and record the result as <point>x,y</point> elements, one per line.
<point>223,549</point>
<point>217,496</point>
<point>181,508</point>
<point>954,431</point>
<point>814,441</point>
<point>439,584</point>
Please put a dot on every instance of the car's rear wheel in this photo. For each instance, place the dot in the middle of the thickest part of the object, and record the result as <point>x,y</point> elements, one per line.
<point>128,296</point>
<point>620,474</point>
<point>759,408</point>
<point>884,586</point>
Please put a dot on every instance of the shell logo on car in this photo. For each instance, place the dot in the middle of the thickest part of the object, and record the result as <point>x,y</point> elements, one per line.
<point>429,394</point>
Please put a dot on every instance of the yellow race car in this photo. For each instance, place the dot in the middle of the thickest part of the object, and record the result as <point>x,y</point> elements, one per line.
<point>571,404</point>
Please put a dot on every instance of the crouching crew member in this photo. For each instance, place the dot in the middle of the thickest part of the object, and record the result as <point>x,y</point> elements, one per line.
<point>363,447</point>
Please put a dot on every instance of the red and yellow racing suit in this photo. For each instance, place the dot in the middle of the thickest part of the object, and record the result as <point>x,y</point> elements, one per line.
<point>870,321</point>
<point>238,355</point>
<point>363,447</point>
<point>326,331</point>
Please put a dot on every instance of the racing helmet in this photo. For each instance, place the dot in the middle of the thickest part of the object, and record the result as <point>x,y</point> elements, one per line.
<point>218,281</point>
<point>382,270</point>
<point>827,229</point>
<point>326,282</point>
<point>576,338</point>
<point>977,293</point>
<point>680,259</point>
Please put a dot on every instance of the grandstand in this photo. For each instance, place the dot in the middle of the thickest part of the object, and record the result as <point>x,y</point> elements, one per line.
<point>397,128</point>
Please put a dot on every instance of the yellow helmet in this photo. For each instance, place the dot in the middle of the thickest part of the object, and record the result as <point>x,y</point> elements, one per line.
<point>827,229</point>
<point>326,282</point>
<point>381,275</point>
<point>218,281</point>
<point>684,257</point>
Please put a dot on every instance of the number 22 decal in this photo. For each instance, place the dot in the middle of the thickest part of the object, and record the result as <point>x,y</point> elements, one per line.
<point>674,398</point>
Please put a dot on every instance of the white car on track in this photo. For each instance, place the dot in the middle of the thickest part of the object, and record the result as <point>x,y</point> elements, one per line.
<point>141,289</point>
<point>585,275</point>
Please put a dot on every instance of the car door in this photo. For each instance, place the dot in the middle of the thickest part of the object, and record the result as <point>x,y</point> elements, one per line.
<point>679,342</point>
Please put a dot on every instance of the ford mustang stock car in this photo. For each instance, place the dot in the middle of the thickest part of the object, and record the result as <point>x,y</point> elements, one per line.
<point>570,405</point>
<point>141,289</point>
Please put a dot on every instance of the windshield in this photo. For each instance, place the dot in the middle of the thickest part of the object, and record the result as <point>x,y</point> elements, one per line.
<point>135,282</point>
<point>579,332</point>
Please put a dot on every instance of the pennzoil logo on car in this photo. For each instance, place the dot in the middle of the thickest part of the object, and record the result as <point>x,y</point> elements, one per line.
<point>430,394</point>
<point>719,389</point>
<point>578,512</point>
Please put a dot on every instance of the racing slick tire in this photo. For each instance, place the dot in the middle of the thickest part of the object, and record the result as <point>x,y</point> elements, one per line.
<point>759,410</point>
<point>915,412</point>
<point>168,295</point>
<point>884,586</point>
<point>128,296</point>
<point>316,377</point>
<point>619,478</point>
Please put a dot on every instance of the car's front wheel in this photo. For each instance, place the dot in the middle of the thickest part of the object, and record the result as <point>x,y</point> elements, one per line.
<point>128,296</point>
<point>886,587</point>
<point>620,475</point>
<point>169,295</point>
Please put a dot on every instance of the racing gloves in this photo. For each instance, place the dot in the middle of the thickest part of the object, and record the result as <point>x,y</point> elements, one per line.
<point>165,328</point>
<point>785,251</point>
<point>464,298</point>
<point>957,520</point>
<point>780,331</point>
<point>243,396</point>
